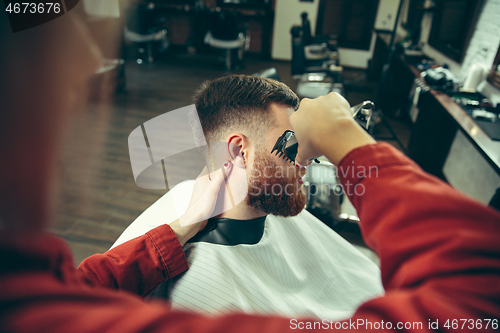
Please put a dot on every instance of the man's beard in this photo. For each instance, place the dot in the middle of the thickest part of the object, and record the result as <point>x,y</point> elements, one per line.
<point>271,190</point>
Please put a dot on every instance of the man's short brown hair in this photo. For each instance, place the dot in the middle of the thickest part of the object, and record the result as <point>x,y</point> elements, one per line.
<point>240,103</point>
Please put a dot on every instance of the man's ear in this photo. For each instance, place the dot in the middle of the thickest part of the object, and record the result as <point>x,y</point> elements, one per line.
<point>238,145</point>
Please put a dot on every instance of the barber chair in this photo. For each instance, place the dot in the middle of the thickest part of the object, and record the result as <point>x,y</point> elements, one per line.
<point>225,33</point>
<point>142,28</point>
<point>325,195</point>
<point>312,54</point>
<point>316,61</point>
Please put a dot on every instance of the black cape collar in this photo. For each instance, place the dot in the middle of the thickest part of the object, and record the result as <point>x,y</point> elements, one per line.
<point>227,231</point>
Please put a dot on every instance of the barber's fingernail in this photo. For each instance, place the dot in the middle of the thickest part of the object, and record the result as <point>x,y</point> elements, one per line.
<point>298,165</point>
<point>226,165</point>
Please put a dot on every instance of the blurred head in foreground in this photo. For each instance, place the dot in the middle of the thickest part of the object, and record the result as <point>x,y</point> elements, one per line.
<point>45,73</point>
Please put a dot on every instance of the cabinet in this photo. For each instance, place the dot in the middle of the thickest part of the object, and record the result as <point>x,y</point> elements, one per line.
<point>445,141</point>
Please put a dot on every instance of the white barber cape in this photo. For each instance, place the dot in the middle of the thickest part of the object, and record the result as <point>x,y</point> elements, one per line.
<point>300,267</point>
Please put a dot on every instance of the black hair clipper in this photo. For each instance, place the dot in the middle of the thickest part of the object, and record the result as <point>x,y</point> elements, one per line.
<point>286,147</point>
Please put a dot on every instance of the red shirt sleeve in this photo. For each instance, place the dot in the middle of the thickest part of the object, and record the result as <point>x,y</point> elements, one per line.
<point>439,253</point>
<point>140,264</point>
<point>439,250</point>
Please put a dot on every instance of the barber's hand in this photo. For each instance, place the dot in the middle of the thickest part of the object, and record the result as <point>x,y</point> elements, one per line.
<point>325,126</point>
<point>202,203</point>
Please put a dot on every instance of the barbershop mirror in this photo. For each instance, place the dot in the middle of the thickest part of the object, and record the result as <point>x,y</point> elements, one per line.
<point>452,26</point>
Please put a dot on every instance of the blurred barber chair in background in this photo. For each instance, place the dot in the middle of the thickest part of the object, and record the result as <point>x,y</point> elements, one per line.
<point>145,29</point>
<point>316,61</point>
<point>312,54</point>
<point>325,195</point>
<point>315,84</point>
<point>327,201</point>
<point>226,33</point>
<point>105,24</point>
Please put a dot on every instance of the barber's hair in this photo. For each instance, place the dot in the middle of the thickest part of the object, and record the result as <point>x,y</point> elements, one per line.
<point>240,103</point>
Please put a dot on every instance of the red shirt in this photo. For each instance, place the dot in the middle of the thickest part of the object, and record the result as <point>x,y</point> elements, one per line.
<point>439,253</point>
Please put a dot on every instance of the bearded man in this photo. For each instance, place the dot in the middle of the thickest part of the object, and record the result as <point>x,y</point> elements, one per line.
<point>266,254</point>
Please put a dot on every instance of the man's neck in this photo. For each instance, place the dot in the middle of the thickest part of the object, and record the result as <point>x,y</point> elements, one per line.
<point>242,212</point>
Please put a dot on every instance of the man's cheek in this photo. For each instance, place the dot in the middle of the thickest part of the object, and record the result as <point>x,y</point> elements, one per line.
<point>292,172</point>
<point>254,171</point>
<point>279,172</point>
